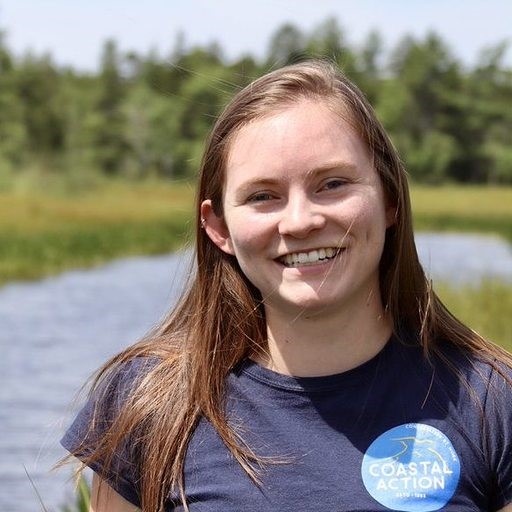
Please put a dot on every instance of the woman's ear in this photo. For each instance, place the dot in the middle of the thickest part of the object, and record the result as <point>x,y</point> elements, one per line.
<point>391,212</point>
<point>215,228</point>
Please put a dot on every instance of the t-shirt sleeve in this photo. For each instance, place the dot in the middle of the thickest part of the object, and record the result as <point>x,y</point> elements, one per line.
<point>93,420</point>
<point>498,412</point>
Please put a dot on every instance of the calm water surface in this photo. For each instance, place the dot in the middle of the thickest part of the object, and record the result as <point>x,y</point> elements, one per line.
<point>55,332</point>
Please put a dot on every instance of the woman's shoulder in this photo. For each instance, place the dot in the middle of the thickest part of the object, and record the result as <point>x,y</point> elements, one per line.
<point>486,371</point>
<point>117,380</point>
<point>467,373</point>
<point>108,392</point>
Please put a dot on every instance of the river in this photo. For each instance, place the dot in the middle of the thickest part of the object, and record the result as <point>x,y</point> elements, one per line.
<point>55,332</point>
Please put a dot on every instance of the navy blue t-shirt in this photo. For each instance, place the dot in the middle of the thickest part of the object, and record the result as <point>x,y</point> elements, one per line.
<point>395,433</point>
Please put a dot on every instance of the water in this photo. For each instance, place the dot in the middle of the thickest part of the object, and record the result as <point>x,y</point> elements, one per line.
<point>464,259</point>
<point>55,332</point>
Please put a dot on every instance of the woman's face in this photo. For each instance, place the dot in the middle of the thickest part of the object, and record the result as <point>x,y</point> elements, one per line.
<point>303,211</point>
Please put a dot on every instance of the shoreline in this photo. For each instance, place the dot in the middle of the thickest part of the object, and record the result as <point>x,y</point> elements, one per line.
<point>43,234</point>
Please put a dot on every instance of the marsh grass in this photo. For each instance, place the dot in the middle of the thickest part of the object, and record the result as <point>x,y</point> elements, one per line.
<point>82,498</point>
<point>50,226</point>
<point>486,308</point>
<point>463,208</point>
<point>48,232</point>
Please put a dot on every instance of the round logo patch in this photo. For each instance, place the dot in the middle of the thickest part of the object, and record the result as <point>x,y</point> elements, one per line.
<point>412,467</point>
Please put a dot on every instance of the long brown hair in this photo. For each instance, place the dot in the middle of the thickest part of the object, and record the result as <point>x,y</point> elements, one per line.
<point>220,320</point>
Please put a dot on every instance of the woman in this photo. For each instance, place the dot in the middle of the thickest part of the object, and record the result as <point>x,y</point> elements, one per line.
<point>309,365</point>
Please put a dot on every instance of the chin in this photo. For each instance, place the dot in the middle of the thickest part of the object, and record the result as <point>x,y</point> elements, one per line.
<point>310,305</point>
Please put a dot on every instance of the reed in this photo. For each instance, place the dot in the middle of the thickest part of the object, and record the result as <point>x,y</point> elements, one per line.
<point>82,498</point>
<point>46,233</point>
<point>485,308</point>
<point>478,209</point>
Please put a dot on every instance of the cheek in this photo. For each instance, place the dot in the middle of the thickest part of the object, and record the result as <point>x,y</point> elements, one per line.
<point>357,211</point>
<point>249,233</point>
<point>367,215</point>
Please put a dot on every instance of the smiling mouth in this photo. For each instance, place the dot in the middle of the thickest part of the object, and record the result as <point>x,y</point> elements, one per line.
<point>300,259</point>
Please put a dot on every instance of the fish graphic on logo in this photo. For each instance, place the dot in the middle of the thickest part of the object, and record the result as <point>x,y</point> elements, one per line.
<point>412,467</point>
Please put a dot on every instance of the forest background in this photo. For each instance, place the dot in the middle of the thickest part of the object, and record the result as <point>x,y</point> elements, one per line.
<point>147,115</point>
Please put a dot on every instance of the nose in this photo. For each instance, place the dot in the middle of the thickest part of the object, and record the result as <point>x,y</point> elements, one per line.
<point>300,217</point>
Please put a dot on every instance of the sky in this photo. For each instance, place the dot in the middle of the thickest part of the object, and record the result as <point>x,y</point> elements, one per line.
<point>73,31</point>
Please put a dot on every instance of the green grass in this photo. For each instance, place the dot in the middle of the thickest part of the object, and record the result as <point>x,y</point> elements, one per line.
<point>463,208</point>
<point>485,308</point>
<point>82,498</point>
<point>46,233</point>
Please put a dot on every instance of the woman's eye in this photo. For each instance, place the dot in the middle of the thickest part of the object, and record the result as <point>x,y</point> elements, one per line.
<point>333,184</point>
<point>260,197</point>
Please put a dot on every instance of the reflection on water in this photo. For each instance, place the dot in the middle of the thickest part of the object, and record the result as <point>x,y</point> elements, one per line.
<point>464,259</point>
<point>55,332</point>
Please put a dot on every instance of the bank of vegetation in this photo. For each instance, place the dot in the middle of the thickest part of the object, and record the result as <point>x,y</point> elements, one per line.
<point>477,209</point>
<point>485,307</point>
<point>43,233</point>
<point>46,233</point>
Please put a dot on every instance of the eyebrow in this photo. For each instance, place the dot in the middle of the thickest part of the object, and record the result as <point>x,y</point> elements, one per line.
<point>331,166</point>
<point>322,169</point>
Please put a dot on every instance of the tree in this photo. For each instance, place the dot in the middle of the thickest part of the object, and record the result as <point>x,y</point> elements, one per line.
<point>490,87</point>
<point>202,97</point>
<point>13,135</point>
<point>107,126</point>
<point>428,78</point>
<point>37,85</point>
<point>328,41</point>
<point>371,54</point>
<point>368,65</point>
<point>152,129</point>
<point>286,46</point>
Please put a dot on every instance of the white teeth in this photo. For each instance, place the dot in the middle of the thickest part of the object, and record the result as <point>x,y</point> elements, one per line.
<point>308,258</point>
<point>330,252</point>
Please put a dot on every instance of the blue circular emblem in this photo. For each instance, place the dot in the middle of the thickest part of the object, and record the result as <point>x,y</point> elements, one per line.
<point>412,467</point>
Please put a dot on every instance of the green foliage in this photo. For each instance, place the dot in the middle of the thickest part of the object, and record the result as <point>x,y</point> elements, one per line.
<point>46,233</point>
<point>485,308</point>
<point>13,131</point>
<point>463,208</point>
<point>148,115</point>
<point>82,499</point>
<point>107,126</point>
<point>151,131</point>
<point>430,156</point>
<point>286,46</point>
<point>38,86</point>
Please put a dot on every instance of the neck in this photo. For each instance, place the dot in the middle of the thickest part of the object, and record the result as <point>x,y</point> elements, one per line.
<point>315,344</point>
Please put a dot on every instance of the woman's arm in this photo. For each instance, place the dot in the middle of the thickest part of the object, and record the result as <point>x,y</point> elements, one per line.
<point>105,499</point>
<point>508,508</point>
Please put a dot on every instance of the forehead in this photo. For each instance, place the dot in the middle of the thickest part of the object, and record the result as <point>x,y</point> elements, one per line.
<point>297,139</point>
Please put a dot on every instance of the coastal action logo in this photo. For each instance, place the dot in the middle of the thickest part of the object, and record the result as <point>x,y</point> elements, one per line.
<point>412,467</point>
